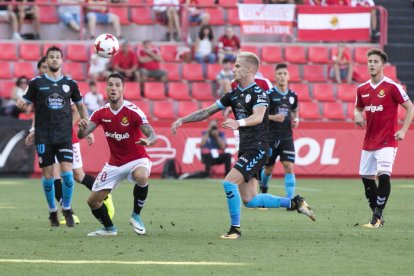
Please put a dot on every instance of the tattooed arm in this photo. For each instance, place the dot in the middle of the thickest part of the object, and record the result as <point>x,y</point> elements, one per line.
<point>195,116</point>
<point>86,127</point>
<point>151,136</point>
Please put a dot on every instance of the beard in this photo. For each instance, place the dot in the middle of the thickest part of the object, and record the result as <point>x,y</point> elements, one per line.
<point>54,69</point>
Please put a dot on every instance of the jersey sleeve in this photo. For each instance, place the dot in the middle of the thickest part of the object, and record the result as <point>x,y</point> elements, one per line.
<point>30,94</point>
<point>260,98</point>
<point>399,94</point>
<point>76,95</point>
<point>96,117</point>
<point>225,101</point>
<point>295,104</point>
<point>358,99</point>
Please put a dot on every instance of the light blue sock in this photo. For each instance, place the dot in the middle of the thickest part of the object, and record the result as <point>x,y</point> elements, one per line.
<point>290,183</point>
<point>67,189</point>
<point>264,179</point>
<point>233,202</point>
<point>268,201</point>
<point>49,189</point>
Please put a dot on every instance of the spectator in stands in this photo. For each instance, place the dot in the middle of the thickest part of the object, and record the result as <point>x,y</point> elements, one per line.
<point>341,69</point>
<point>228,45</point>
<point>374,22</point>
<point>99,68</point>
<point>70,15</point>
<point>30,12</point>
<point>93,99</point>
<point>213,145</point>
<point>167,13</point>
<point>278,2</point>
<point>7,14</point>
<point>204,47</point>
<point>126,62</point>
<point>97,12</point>
<point>149,62</point>
<point>225,77</point>
<point>17,92</point>
<point>196,15</point>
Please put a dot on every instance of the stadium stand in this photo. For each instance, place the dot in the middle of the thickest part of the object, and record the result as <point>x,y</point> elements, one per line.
<point>164,110</point>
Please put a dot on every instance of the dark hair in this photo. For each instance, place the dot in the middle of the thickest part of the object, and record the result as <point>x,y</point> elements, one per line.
<point>19,79</point>
<point>201,32</point>
<point>281,66</point>
<point>92,83</point>
<point>54,49</point>
<point>225,60</point>
<point>116,76</point>
<point>40,62</point>
<point>378,52</point>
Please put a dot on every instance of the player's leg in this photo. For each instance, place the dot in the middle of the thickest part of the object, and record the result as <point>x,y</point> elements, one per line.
<point>140,174</point>
<point>57,182</point>
<point>287,157</point>
<point>266,172</point>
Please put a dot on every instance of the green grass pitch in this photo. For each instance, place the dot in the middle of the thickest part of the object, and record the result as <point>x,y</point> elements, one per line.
<point>184,220</point>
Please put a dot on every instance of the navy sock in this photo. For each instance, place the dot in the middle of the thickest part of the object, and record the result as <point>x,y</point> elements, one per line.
<point>140,195</point>
<point>233,202</point>
<point>88,181</point>
<point>370,192</point>
<point>101,214</point>
<point>58,190</point>
<point>384,190</point>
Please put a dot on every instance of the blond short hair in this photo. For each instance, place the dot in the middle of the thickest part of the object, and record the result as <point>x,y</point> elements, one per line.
<point>250,58</point>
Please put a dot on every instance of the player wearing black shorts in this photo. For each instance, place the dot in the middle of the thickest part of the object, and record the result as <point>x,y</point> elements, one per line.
<point>51,94</point>
<point>249,105</point>
<point>283,116</point>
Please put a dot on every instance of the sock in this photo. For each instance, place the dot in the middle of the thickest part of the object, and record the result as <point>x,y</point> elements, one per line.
<point>384,190</point>
<point>370,192</point>
<point>264,183</point>
<point>49,190</point>
<point>268,201</point>
<point>88,181</point>
<point>233,202</point>
<point>58,190</point>
<point>140,195</point>
<point>67,189</point>
<point>290,183</point>
<point>101,214</point>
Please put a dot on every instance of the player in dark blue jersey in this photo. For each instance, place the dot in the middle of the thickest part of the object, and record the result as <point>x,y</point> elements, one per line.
<point>51,94</point>
<point>249,105</point>
<point>283,116</point>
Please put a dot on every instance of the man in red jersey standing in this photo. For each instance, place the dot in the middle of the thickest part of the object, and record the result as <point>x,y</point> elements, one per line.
<point>380,98</point>
<point>123,124</point>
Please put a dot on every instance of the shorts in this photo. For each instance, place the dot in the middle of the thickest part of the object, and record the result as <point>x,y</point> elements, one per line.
<point>67,17</point>
<point>195,18</point>
<point>27,13</point>
<point>110,176</point>
<point>101,18</point>
<point>250,162</point>
<point>283,148</point>
<point>376,161</point>
<point>157,74</point>
<point>47,153</point>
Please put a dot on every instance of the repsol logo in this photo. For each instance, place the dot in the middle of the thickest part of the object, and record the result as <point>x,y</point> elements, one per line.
<point>374,108</point>
<point>117,136</point>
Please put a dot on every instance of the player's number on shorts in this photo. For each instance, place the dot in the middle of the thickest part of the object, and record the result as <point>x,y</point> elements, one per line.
<point>103,176</point>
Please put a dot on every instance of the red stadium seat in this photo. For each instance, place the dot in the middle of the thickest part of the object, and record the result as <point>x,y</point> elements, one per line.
<point>77,52</point>
<point>164,110</point>
<point>132,90</point>
<point>186,107</point>
<point>6,72</point>
<point>48,14</point>
<point>361,73</point>
<point>192,72</point>
<point>350,111</point>
<point>318,55</point>
<point>75,70</point>
<point>30,51</point>
<point>233,16</point>
<point>212,71</point>
<point>361,54</point>
<point>294,73</point>
<point>302,90</point>
<point>202,91</point>
<point>142,16</point>
<point>8,51</point>
<point>323,92</point>
<point>268,71</point>
<point>310,111</point>
<point>272,54</point>
<point>169,52</point>
<point>154,91</point>
<point>390,71</point>
<point>218,115</point>
<point>216,16</point>
<point>253,1</point>
<point>145,106</point>
<point>314,73</point>
<point>24,68</point>
<point>173,70</point>
<point>346,92</point>
<point>333,111</point>
<point>6,88</point>
<point>250,48</point>
<point>334,52</point>
<point>179,91</point>
<point>84,87</point>
<point>48,45</point>
<point>295,54</point>
<point>229,3</point>
<point>122,12</point>
<point>101,88</point>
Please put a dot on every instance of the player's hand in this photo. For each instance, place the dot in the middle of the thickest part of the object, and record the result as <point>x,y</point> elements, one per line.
<point>29,139</point>
<point>21,104</point>
<point>399,135</point>
<point>359,119</point>
<point>295,123</point>
<point>90,139</point>
<point>83,124</point>
<point>279,118</point>
<point>176,125</point>
<point>143,142</point>
<point>230,123</point>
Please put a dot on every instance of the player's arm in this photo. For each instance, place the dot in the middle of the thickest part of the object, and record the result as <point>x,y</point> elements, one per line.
<point>254,119</point>
<point>195,116</point>
<point>85,128</point>
<point>149,133</point>
<point>82,110</point>
<point>359,116</point>
<point>400,134</point>
<point>295,118</point>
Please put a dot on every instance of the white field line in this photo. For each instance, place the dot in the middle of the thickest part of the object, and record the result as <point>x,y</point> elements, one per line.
<point>203,263</point>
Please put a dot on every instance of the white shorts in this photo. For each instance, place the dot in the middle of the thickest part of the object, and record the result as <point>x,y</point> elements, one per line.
<point>376,161</point>
<point>110,176</point>
<point>77,157</point>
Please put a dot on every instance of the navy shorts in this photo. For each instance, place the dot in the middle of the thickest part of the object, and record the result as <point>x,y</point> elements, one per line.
<point>250,162</point>
<point>47,153</point>
<point>283,148</point>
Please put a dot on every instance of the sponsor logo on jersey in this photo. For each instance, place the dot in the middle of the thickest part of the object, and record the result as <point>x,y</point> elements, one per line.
<point>248,98</point>
<point>106,120</point>
<point>55,101</point>
<point>124,121</point>
<point>374,108</point>
<point>117,136</point>
<point>291,100</point>
<point>66,88</point>
<point>381,94</point>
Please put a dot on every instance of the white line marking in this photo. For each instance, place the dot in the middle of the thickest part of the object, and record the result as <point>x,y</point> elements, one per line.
<point>204,263</point>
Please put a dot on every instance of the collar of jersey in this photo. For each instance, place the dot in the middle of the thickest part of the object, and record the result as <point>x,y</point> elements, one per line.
<point>281,93</point>
<point>51,79</point>
<point>247,87</point>
<point>374,86</point>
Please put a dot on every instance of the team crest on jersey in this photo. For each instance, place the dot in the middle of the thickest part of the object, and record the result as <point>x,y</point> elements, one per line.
<point>381,94</point>
<point>291,100</point>
<point>66,88</point>
<point>124,121</point>
<point>248,98</point>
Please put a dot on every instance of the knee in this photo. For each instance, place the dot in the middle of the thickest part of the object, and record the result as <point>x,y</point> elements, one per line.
<point>141,179</point>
